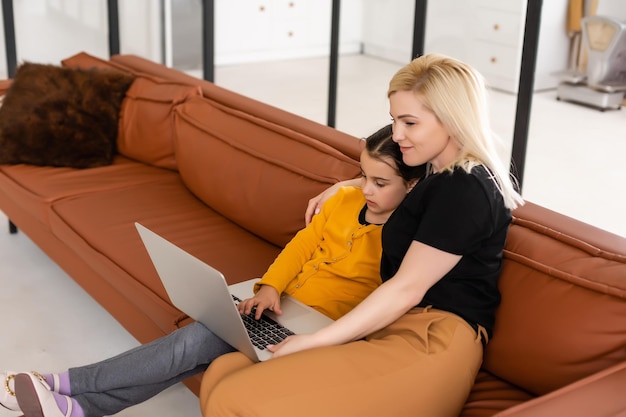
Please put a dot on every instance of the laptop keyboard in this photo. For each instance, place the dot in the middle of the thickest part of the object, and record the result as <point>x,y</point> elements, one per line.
<point>264,331</point>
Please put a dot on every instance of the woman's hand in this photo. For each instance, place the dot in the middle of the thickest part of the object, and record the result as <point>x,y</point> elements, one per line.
<point>316,203</point>
<point>266,298</point>
<point>294,344</point>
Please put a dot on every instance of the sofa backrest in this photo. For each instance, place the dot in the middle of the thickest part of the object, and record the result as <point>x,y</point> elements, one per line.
<point>343,142</point>
<point>253,163</point>
<point>256,173</point>
<point>563,310</point>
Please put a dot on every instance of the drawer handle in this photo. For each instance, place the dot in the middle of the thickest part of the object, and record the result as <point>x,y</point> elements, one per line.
<point>290,34</point>
<point>496,27</point>
<point>261,8</point>
<point>493,60</point>
<point>291,4</point>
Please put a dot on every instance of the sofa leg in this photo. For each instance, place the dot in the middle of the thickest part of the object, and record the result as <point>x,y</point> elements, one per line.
<point>12,228</point>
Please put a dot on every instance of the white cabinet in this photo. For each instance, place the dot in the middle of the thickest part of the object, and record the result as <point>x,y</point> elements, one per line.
<point>487,34</point>
<point>498,40</point>
<point>258,30</point>
<point>496,45</point>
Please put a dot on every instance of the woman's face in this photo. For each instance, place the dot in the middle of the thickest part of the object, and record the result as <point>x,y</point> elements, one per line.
<point>421,136</point>
<point>382,187</point>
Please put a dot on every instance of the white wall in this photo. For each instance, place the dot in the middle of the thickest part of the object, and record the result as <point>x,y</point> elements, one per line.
<point>612,8</point>
<point>50,30</point>
<point>47,31</point>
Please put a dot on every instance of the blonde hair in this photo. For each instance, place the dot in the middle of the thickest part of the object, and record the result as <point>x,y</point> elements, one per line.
<point>457,96</point>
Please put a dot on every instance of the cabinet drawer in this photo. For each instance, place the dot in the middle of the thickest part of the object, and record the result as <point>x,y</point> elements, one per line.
<point>497,62</point>
<point>499,27</point>
<point>251,30</point>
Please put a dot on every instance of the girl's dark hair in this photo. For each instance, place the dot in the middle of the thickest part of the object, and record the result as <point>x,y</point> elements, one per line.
<point>379,145</point>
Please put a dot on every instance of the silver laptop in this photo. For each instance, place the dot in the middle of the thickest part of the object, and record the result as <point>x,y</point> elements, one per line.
<point>201,292</point>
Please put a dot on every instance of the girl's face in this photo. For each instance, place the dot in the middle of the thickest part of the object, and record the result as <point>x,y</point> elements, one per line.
<point>421,136</point>
<point>382,187</point>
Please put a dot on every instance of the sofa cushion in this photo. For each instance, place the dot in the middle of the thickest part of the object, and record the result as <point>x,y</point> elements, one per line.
<point>146,126</point>
<point>563,310</point>
<point>35,188</point>
<point>61,116</point>
<point>167,207</point>
<point>239,164</point>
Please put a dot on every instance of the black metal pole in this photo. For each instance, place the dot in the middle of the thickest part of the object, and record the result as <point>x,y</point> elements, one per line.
<point>419,28</point>
<point>525,89</point>
<point>114,27</point>
<point>11,54</point>
<point>9,37</point>
<point>334,60</point>
<point>208,40</point>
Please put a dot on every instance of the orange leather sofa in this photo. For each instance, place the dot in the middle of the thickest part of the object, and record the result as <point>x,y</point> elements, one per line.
<point>227,178</point>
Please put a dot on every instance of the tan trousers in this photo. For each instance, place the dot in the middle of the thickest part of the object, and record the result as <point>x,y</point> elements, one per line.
<point>424,364</point>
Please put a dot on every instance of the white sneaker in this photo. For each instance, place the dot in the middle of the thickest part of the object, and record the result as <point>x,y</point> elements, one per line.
<point>36,399</point>
<point>7,392</point>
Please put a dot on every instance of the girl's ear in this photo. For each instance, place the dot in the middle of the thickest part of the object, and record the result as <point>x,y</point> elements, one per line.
<point>410,185</point>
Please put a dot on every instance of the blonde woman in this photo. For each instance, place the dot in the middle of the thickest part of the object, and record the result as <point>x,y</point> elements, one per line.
<point>414,346</point>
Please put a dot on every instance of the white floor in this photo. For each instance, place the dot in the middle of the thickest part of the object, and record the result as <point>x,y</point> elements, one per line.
<point>575,165</point>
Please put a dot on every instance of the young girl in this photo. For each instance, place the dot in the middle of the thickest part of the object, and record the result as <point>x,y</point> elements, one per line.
<point>414,346</point>
<point>330,265</point>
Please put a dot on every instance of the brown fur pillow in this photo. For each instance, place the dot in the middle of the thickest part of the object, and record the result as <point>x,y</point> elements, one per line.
<point>61,116</point>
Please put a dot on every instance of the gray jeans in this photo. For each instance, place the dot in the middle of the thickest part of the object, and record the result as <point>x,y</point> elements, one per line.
<point>108,387</point>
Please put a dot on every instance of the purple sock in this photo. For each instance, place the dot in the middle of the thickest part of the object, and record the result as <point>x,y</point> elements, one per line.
<point>63,381</point>
<point>49,380</point>
<point>61,401</point>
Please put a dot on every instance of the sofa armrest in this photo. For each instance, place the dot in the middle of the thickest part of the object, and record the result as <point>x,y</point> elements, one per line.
<point>4,86</point>
<point>600,394</point>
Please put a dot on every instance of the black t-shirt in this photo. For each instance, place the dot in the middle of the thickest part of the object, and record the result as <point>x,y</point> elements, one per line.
<point>460,213</point>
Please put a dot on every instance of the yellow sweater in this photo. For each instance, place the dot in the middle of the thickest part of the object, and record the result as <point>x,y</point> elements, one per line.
<point>333,263</point>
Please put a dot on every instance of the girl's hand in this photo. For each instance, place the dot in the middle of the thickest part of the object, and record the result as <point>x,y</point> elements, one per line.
<point>294,344</point>
<point>266,298</point>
